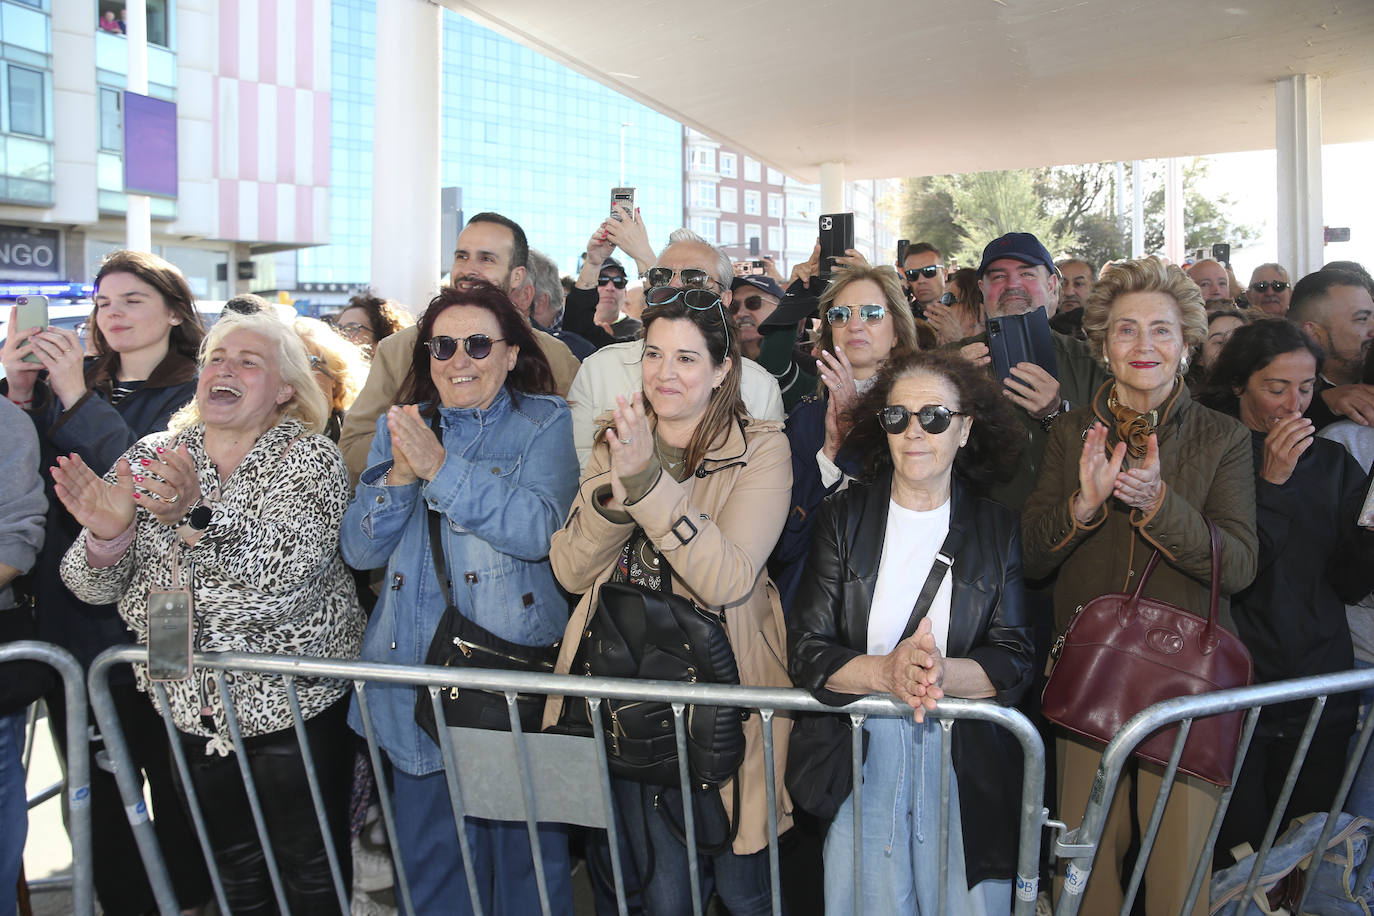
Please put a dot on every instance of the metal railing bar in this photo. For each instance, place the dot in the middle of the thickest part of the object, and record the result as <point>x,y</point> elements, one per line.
<point>374,754</point>
<point>522,758</point>
<point>316,794</point>
<point>455,798</point>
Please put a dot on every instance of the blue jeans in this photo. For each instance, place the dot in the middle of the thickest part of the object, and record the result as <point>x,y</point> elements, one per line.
<point>649,846</point>
<point>901,832</point>
<point>500,849</point>
<point>1361,798</point>
<point>14,808</point>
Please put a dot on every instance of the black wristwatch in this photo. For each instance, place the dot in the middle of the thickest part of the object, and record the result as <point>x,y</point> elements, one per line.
<point>198,519</point>
<point>1048,420</point>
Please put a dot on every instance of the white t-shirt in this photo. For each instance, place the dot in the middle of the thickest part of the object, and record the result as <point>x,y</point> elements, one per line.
<point>909,547</point>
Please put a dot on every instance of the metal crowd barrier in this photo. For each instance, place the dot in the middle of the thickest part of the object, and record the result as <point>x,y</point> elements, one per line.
<point>77,762</point>
<point>482,783</point>
<point>1079,846</point>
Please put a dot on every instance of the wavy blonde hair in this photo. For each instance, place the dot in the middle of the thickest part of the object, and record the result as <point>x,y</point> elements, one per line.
<point>343,359</point>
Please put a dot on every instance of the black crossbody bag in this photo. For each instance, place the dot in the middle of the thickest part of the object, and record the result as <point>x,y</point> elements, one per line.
<point>819,774</point>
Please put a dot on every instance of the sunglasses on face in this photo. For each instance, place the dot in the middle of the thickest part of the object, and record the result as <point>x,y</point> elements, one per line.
<point>934,418</point>
<point>752,303</point>
<point>915,273</point>
<point>617,282</point>
<point>690,276</point>
<point>478,346</point>
<point>838,315</point>
<point>317,364</point>
<point>698,300</point>
<point>1263,286</point>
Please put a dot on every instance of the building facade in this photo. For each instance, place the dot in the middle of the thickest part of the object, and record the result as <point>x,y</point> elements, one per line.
<point>251,84</point>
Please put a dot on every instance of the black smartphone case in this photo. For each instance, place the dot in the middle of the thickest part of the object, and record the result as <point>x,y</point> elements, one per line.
<point>1021,339</point>
<point>837,237</point>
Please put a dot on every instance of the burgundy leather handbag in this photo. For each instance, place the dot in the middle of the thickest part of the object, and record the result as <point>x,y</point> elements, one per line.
<point>1122,653</point>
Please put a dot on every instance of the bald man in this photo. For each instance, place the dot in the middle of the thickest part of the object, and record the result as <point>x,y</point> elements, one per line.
<point>1211,278</point>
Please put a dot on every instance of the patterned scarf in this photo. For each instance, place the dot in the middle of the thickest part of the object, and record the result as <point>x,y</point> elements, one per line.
<point>1132,426</point>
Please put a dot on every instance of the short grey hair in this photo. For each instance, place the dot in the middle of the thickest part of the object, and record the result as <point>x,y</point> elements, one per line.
<point>725,268</point>
<point>541,270</point>
<point>1270,265</point>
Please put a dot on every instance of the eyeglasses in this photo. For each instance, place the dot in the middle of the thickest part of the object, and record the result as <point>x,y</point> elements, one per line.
<point>690,276</point>
<point>913,273</point>
<point>317,364</point>
<point>617,282</point>
<point>478,346</point>
<point>698,300</point>
<point>934,418</point>
<point>752,303</point>
<point>872,313</point>
<point>353,329</point>
<point>1263,286</point>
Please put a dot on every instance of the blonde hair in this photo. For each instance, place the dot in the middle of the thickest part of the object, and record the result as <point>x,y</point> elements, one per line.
<point>1147,275</point>
<point>905,337</point>
<point>343,359</point>
<point>307,404</point>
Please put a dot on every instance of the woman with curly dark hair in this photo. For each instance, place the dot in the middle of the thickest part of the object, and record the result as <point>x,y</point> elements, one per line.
<point>369,319</point>
<point>936,432</point>
<point>1143,467</point>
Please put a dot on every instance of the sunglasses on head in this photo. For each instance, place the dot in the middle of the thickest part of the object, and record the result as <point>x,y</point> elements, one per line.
<point>698,300</point>
<point>934,418</point>
<point>752,303</point>
<point>914,273</point>
<point>690,276</point>
<point>478,346</point>
<point>872,313</point>
<point>1263,286</point>
<point>618,282</point>
<point>318,364</point>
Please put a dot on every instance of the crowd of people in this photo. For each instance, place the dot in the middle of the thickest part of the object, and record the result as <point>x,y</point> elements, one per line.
<point>801,458</point>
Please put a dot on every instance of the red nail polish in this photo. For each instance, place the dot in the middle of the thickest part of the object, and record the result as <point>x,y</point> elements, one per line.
<point>138,477</point>
<point>159,450</point>
<point>138,496</point>
<point>145,462</point>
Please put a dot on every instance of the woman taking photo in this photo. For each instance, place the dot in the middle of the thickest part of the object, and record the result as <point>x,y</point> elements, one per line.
<point>482,442</point>
<point>239,501</point>
<point>1313,560</point>
<point>865,320</point>
<point>1142,467</point>
<point>680,475</point>
<point>145,334</point>
<point>936,431</point>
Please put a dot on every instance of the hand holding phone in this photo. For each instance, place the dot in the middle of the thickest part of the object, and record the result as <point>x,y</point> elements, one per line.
<point>837,237</point>
<point>30,312</point>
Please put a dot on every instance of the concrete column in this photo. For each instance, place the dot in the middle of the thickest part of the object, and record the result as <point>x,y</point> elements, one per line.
<point>832,187</point>
<point>405,158</point>
<point>1298,139</point>
<point>138,225</point>
<point>1173,210</point>
<point>1137,210</point>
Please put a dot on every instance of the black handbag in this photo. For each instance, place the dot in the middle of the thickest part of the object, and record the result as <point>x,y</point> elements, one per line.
<point>819,774</point>
<point>652,634</point>
<point>462,643</point>
<point>22,682</point>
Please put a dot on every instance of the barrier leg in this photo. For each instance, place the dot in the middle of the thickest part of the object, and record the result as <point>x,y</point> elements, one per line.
<point>522,758</point>
<point>771,800</point>
<point>689,815</point>
<point>1147,842</point>
<point>856,763</point>
<point>384,795</point>
<point>1204,862</point>
<point>612,829</point>
<point>316,795</point>
<point>455,797</point>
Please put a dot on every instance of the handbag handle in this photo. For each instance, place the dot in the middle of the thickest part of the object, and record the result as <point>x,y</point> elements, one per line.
<point>1210,639</point>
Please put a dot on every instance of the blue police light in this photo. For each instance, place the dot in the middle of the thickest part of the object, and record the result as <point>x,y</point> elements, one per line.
<point>51,290</point>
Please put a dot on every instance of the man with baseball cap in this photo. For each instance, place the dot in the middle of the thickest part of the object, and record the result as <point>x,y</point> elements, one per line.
<point>1017,276</point>
<point>753,299</point>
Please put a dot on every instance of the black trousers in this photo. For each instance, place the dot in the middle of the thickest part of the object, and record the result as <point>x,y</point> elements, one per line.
<point>121,884</point>
<point>292,827</point>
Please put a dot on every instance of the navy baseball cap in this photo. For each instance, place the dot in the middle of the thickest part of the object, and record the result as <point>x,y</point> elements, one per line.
<point>761,283</point>
<point>612,264</point>
<point>1022,246</point>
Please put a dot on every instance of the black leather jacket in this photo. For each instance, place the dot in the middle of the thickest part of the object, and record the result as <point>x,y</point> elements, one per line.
<point>829,627</point>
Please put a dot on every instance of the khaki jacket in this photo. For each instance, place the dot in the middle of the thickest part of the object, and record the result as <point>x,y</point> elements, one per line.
<point>1205,464</point>
<point>391,363</point>
<point>737,502</point>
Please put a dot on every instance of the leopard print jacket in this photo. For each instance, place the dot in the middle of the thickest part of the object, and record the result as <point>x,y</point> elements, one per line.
<point>267,574</point>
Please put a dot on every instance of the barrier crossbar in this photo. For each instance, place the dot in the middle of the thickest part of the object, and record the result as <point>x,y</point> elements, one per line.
<point>77,762</point>
<point>1080,845</point>
<point>525,801</point>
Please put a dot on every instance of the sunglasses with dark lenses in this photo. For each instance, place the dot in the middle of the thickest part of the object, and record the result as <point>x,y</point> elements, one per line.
<point>914,273</point>
<point>872,313</point>
<point>691,276</point>
<point>752,303</point>
<point>617,282</point>
<point>478,346</point>
<point>934,418</point>
<point>1263,286</point>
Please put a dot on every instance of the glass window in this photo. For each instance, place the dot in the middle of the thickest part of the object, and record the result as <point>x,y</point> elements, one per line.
<point>774,176</point>
<point>729,165</point>
<point>774,238</point>
<point>752,231</point>
<point>705,226</point>
<point>753,202</point>
<point>25,28</point>
<point>703,160</point>
<point>729,199</point>
<point>703,194</point>
<point>752,170</point>
<point>775,205</point>
<point>729,232</point>
<point>111,121</point>
<point>26,100</point>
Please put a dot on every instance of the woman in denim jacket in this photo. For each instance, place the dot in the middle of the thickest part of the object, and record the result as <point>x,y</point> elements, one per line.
<point>502,473</point>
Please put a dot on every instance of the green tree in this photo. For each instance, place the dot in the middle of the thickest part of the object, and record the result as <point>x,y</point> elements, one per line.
<point>927,215</point>
<point>1205,219</point>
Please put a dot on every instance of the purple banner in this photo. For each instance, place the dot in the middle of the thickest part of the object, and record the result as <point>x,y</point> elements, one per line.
<point>150,146</point>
